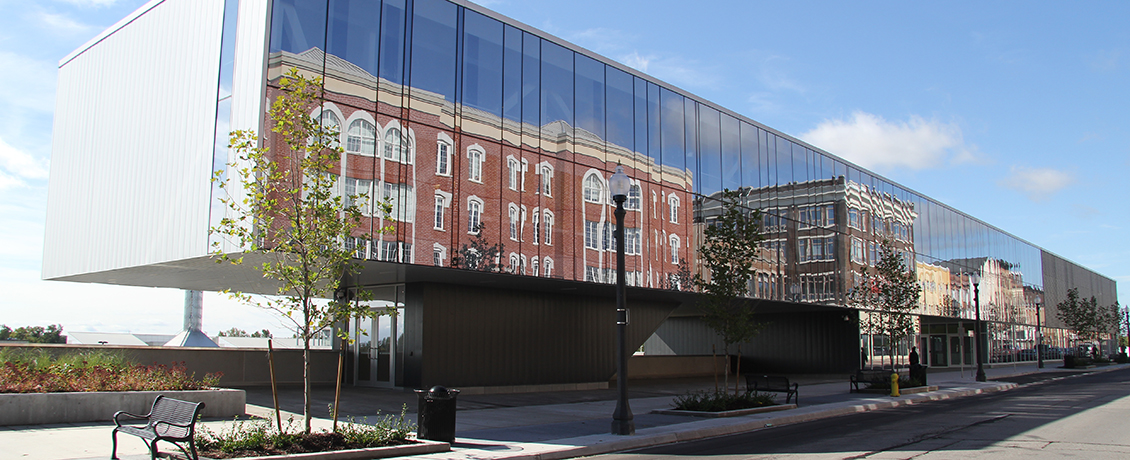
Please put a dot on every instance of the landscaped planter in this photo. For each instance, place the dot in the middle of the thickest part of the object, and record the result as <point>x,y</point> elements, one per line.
<point>420,447</point>
<point>100,406</point>
<point>727,413</point>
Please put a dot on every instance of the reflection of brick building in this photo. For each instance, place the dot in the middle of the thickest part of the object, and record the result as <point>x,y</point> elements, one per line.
<point>549,208</point>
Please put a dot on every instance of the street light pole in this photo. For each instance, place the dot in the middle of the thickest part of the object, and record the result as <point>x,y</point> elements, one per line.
<point>975,278</point>
<point>622,419</point>
<point>1039,336</point>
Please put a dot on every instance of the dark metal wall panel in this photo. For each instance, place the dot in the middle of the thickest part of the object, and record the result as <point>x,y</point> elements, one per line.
<point>808,342</point>
<point>472,336</point>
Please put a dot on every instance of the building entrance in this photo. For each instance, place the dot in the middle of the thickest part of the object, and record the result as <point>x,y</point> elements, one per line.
<point>377,341</point>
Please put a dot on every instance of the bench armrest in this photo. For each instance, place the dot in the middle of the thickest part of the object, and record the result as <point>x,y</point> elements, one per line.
<point>123,413</point>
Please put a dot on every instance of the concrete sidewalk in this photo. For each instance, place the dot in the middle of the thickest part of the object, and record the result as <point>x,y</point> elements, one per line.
<point>548,425</point>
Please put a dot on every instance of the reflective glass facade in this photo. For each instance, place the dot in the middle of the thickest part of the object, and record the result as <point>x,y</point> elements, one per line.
<point>478,127</point>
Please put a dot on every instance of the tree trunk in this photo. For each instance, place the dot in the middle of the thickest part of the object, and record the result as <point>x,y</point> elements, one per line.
<point>306,382</point>
<point>738,372</point>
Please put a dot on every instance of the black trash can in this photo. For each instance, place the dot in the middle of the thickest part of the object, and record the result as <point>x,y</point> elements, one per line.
<point>436,414</point>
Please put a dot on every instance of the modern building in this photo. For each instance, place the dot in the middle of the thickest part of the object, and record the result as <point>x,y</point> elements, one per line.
<point>479,128</point>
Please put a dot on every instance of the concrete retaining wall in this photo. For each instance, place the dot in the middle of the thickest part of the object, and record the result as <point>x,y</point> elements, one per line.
<point>100,406</point>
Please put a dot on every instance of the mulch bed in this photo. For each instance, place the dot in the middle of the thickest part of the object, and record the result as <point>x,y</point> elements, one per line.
<point>312,442</point>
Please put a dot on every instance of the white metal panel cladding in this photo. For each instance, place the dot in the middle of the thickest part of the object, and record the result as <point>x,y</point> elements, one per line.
<point>248,89</point>
<point>132,145</point>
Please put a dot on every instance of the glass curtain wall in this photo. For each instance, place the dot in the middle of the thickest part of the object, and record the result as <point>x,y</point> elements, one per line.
<point>486,137</point>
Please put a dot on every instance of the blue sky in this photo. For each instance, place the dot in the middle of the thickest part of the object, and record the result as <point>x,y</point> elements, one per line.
<point>1014,112</point>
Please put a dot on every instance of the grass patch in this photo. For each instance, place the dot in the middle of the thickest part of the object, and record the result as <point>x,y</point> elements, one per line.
<point>37,371</point>
<point>710,401</point>
<point>259,437</point>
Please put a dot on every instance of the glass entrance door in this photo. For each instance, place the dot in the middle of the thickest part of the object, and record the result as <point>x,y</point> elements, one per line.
<point>938,355</point>
<point>955,350</point>
<point>379,339</point>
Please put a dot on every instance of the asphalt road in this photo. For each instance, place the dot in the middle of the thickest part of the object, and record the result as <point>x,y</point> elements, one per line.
<point>1055,415</point>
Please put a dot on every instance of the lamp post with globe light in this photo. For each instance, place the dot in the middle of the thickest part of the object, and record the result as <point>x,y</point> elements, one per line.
<point>622,419</point>
<point>975,278</point>
<point>1039,335</point>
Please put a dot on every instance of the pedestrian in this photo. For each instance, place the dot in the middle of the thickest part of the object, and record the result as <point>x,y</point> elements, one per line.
<point>913,356</point>
<point>862,357</point>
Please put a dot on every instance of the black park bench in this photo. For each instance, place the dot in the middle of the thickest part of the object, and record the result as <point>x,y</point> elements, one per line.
<point>772,384</point>
<point>868,376</point>
<point>170,420</point>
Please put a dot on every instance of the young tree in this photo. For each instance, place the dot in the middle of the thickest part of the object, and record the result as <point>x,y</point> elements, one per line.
<point>890,293</point>
<point>234,332</point>
<point>284,209</point>
<point>1085,318</point>
<point>34,334</point>
<point>730,247</point>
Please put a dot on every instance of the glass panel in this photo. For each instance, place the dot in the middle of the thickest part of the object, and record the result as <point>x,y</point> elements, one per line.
<point>590,95</point>
<point>750,160</point>
<point>531,90</point>
<point>654,130</point>
<point>691,144</point>
<point>433,47</point>
<point>641,125</point>
<point>674,154</point>
<point>784,160</point>
<point>351,34</point>
<point>298,26</point>
<point>512,74</point>
<point>710,151</point>
<point>482,63</point>
<point>731,153</point>
<point>620,109</point>
<point>392,41</point>
<point>557,84</point>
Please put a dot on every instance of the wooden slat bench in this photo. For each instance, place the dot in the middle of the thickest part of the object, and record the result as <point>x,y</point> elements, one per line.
<point>170,420</point>
<point>772,384</point>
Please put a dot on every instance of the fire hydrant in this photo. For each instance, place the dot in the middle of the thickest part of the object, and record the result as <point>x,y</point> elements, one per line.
<point>894,384</point>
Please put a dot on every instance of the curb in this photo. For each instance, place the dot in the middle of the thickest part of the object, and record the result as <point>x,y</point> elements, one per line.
<point>602,444</point>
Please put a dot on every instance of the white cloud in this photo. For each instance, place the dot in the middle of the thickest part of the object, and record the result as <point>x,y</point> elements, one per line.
<point>636,61</point>
<point>873,142</point>
<point>59,23</point>
<point>35,80</point>
<point>17,166</point>
<point>90,3</point>
<point>1037,183</point>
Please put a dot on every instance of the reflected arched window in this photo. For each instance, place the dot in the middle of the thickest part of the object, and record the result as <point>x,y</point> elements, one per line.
<point>674,249</point>
<point>443,158</point>
<point>547,267</point>
<point>547,223</point>
<point>514,221</point>
<point>475,165</point>
<point>396,146</point>
<point>534,267</point>
<point>673,212</point>
<point>634,198</point>
<point>474,215</point>
<point>331,123</point>
<point>362,138</point>
<point>594,189</point>
<point>513,170</point>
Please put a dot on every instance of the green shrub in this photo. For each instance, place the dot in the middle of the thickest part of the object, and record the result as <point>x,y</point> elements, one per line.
<point>37,371</point>
<point>257,436</point>
<point>710,401</point>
